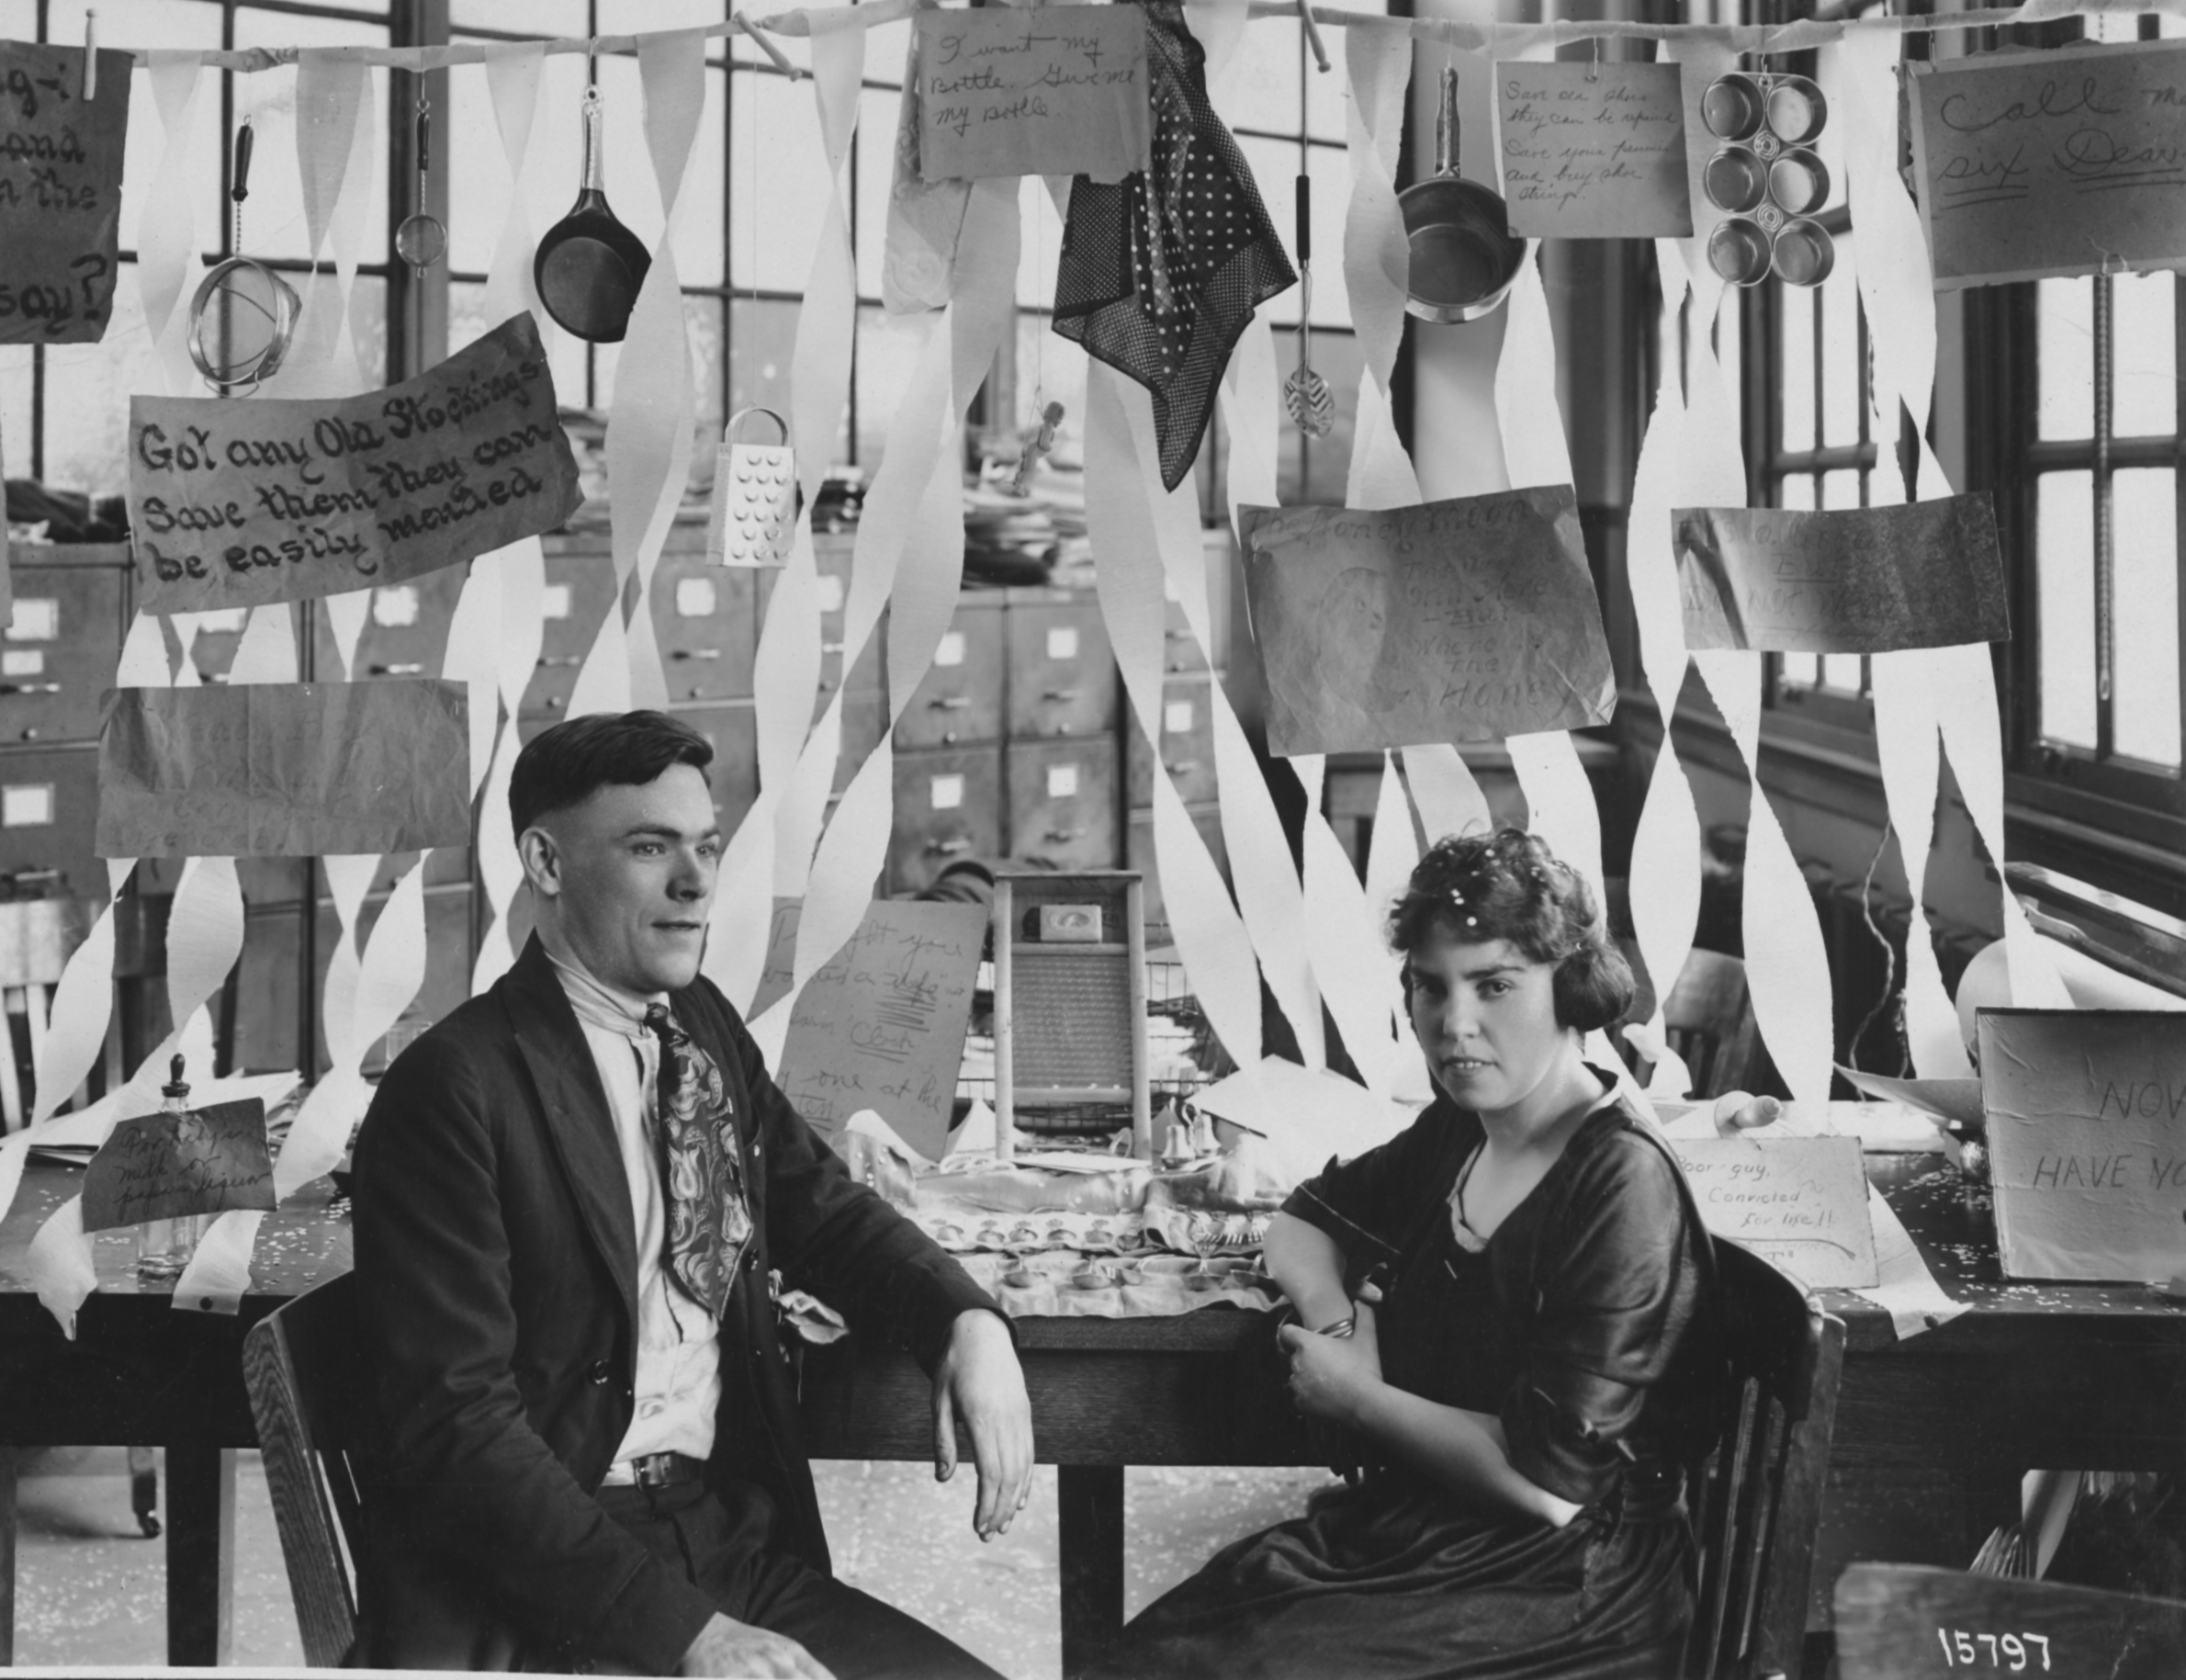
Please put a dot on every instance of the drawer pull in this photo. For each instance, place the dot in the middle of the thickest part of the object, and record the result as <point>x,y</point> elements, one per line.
<point>827,648</point>
<point>695,653</point>
<point>30,733</point>
<point>1066,834</point>
<point>949,848</point>
<point>29,688</point>
<point>949,702</point>
<point>548,661</point>
<point>1184,767</point>
<point>412,669</point>
<point>1061,696</point>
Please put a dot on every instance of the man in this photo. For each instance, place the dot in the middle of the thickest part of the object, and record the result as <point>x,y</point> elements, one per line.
<point>570,1198</point>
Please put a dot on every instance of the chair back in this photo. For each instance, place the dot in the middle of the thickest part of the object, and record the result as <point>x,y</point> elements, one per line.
<point>1758,1493</point>
<point>1899,1622</point>
<point>301,1368</point>
<point>1708,1021</point>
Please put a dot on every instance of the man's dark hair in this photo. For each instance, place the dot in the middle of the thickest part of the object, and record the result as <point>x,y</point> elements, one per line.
<point>567,763</point>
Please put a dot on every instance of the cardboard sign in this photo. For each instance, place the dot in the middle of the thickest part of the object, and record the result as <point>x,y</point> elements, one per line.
<point>2058,163</point>
<point>1799,1202</point>
<point>235,504</point>
<point>2086,1141</point>
<point>1858,581</point>
<point>284,769</point>
<point>167,1166</point>
<point>1051,90</point>
<point>1450,621</point>
<point>59,193</point>
<point>881,1025</point>
<point>1594,151</point>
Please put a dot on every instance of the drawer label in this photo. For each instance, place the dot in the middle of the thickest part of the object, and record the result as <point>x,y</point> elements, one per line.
<point>1061,642</point>
<point>1062,781</point>
<point>22,662</point>
<point>554,601</point>
<point>395,608</point>
<point>950,650</point>
<point>945,793</point>
<point>695,598</point>
<point>1175,717</point>
<point>37,619</point>
<point>28,805</point>
<point>830,591</point>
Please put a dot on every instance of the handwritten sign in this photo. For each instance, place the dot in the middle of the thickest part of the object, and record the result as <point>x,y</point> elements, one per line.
<point>169,1165</point>
<point>2086,1141</point>
<point>1856,581</point>
<point>881,1025</point>
<point>1594,151</point>
<point>59,193</point>
<point>1799,1202</point>
<point>284,769</point>
<point>1051,90</point>
<point>238,504</point>
<point>2060,163</point>
<point>1451,621</point>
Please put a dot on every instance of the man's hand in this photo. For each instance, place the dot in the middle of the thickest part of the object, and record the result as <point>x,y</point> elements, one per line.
<point>979,1381</point>
<point>737,1651</point>
<point>1329,1375</point>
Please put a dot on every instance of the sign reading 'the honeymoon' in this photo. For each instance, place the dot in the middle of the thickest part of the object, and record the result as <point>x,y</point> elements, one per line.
<point>59,193</point>
<point>1021,91</point>
<point>2086,1141</point>
<point>238,504</point>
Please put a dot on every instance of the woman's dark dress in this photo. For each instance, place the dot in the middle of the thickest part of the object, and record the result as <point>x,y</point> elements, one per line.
<point>1588,1326</point>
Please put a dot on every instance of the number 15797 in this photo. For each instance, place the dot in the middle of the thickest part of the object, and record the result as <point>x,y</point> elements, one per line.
<point>2008,1651</point>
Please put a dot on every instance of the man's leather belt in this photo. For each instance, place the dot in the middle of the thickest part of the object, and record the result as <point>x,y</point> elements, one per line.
<point>662,1469</point>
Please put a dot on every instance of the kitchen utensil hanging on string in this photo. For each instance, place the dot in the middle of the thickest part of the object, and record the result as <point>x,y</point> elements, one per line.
<point>1306,393</point>
<point>590,267</point>
<point>754,511</point>
<point>422,240</point>
<point>242,317</point>
<point>1464,258</point>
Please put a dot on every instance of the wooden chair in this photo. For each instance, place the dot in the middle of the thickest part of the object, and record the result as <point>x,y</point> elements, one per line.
<point>1899,1622</point>
<point>1708,1021</point>
<point>1759,1493</point>
<point>301,1368</point>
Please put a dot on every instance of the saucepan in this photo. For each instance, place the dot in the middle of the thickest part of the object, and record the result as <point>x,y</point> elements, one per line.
<point>1464,256</point>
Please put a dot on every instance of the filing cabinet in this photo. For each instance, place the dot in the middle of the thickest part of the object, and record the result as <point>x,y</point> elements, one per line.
<point>734,772</point>
<point>864,720</point>
<point>1062,674</point>
<point>831,558</point>
<point>405,632</point>
<point>960,699</point>
<point>704,618</point>
<point>1138,853</point>
<point>580,585</point>
<point>947,805</point>
<point>48,812</point>
<point>1180,649</point>
<point>60,653</point>
<point>1063,801</point>
<point>1187,745</point>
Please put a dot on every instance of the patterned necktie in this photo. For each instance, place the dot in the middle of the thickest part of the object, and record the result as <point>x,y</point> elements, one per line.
<point>709,1221</point>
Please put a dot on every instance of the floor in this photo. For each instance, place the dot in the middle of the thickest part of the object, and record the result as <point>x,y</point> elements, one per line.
<point>90,1592</point>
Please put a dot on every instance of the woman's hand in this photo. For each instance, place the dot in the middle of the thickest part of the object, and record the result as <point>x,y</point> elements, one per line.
<point>1330,1376</point>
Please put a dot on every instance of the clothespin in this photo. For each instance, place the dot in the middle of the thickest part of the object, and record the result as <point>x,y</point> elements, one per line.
<point>766,45</point>
<point>91,54</point>
<point>1313,34</point>
<point>1050,417</point>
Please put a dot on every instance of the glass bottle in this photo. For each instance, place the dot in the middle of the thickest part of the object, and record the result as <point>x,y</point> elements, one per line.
<point>166,1245</point>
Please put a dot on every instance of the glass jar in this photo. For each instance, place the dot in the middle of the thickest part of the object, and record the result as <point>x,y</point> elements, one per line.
<point>165,1246</point>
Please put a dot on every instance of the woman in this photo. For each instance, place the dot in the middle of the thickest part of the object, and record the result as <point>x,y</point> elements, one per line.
<point>1541,1360</point>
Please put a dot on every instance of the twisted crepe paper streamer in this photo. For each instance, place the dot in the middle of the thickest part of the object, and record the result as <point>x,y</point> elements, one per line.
<point>336,147</point>
<point>167,258</point>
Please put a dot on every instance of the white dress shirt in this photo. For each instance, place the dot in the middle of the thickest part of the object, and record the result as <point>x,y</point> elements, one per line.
<point>679,1348</point>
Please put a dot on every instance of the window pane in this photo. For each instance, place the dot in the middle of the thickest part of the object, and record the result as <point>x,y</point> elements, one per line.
<point>1274,164</point>
<point>873,151</point>
<point>162,23</point>
<point>1331,170</point>
<point>780,172</point>
<point>1796,312</point>
<point>368,327</point>
<point>2144,544</point>
<point>1264,75</point>
<point>2144,335</point>
<point>1841,489</point>
<point>888,51</point>
<point>699,237</point>
<point>550,18</point>
<point>1841,410</point>
<point>15,408</point>
<point>887,354</point>
<point>703,328</point>
<point>1797,491</point>
<point>87,393</point>
<point>2065,598</point>
<point>630,16</point>
<point>1040,243</point>
<point>273,217</point>
<point>1844,673</point>
<point>2064,353</point>
<point>762,339</point>
<point>1800,670</point>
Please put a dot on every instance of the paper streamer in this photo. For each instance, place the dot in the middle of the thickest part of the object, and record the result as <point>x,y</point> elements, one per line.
<point>1352,964</point>
<point>331,101</point>
<point>167,258</point>
<point>346,617</point>
<point>1908,751</point>
<point>1535,449</point>
<point>512,82</point>
<point>1377,261</point>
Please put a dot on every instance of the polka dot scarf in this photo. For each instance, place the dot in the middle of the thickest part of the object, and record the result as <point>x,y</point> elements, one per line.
<point>1161,271</point>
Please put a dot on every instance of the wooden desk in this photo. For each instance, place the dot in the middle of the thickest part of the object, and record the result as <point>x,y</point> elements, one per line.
<point>2053,1375</point>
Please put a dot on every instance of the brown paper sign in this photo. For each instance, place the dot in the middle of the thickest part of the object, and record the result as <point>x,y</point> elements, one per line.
<point>1021,91</point>
<point>59,193</point>
<point>235,504</point>
<point>2086,1141</point>
<point>881,1025</point>
<point>1594,151</point>
<point>1800,1201</point>
<point>168,1166</point>
<point>284,769</point>
<point>2058,163</point>
<point>1451,621</point>
<point>1857,581</point>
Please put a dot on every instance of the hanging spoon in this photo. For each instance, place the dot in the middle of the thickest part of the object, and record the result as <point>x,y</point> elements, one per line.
<point>590,267</point>
<point>1306,393</point>
<point>421,241</point>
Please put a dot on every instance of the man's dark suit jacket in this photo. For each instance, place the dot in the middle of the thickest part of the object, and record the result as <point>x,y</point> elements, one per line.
<point>496,1259</point>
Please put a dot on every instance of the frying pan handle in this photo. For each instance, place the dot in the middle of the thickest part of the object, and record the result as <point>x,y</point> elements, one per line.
<point>245,139</point>
<point>595,165</point>
<point>424,138</point>
<point>1446,125</point>
<point>1305,217</point>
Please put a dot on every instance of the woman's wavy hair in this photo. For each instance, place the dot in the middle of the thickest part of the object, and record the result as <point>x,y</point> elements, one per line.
<point>1509,886</point>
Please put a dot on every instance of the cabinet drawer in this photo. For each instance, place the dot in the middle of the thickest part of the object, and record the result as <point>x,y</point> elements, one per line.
<point>406,629</point>
<point>947,805</point>
<point>1187,745</point>
<point>578,588</point>
<point>831,558</point>
<point>1062,802</point>
<point>1180,649</point>
<point>1138,853</point>
<point>704,620</point>
<point>60,652</point>
<point>864,716</point>
<point>1061,676</point>
<point>48,812</point>
<point>960,698</point>
<point>735,770</point>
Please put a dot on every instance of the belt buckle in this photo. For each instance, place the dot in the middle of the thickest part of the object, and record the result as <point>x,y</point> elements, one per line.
<point>653,1471</point>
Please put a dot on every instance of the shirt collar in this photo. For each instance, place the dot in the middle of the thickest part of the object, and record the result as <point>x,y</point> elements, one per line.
<point>596,1005</point>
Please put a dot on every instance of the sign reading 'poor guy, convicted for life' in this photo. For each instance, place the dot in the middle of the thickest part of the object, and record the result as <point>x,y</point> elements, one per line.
<point>239,504</point>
